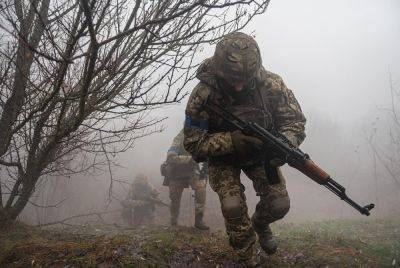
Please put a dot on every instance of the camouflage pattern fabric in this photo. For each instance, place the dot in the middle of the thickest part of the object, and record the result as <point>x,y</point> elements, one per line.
<point>188,174</point>
<point>139,207</point>
<point>175,194</point>
<point>205,136</point>
<point>180,165</point>
<point>237,57</point>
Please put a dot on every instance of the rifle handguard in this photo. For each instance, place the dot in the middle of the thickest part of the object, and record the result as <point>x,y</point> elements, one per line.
<point>311,170</point>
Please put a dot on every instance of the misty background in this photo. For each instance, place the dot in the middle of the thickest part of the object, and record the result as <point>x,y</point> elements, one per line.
<point>337,57</point>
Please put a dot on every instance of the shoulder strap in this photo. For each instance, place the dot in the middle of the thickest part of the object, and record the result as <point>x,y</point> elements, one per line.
<point>264,107</point>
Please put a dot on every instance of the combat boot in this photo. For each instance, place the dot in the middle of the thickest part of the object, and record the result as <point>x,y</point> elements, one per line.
<point>266,238</point>
<point>199,223</point>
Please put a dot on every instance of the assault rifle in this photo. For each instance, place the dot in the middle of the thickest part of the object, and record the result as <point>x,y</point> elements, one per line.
<point>282,148</point>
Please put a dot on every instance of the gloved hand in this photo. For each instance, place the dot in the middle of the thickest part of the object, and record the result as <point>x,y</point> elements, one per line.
<point>245,145</point>
<point>277,162</point>
<point>293,140</point>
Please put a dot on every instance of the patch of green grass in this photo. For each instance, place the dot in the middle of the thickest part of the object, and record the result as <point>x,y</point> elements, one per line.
<point>161,245</point>
<point>345,241</point>
<point>165,237</point>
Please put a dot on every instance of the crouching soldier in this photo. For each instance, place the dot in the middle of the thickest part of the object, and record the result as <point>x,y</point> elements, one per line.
<point>140,205</point>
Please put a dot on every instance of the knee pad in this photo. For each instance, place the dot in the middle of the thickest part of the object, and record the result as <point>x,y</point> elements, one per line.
<point>279,207</point>
<point>231,207</point>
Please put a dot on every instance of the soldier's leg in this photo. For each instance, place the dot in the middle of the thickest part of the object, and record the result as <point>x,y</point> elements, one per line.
<point>175,195</point>
<point>150,211</point>
<point>138,215</point>
<point>126,214</point>
<point>274,204</point>
<point>199,188</point>
<point>225,181</point>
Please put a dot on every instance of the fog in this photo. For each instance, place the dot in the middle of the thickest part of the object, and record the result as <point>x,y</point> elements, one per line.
<point>336,57</point>
<point>334,54</point>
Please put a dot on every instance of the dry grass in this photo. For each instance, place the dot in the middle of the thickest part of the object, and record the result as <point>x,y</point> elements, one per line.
<point>327,244</point>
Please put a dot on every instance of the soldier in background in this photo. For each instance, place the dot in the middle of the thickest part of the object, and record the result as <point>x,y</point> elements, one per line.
<point>140,205</point>
<point>180,172</point>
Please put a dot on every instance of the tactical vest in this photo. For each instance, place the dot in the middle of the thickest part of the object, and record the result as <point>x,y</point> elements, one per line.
<point>180,171</point>
<point>252,108</point>
<point>140,191</point>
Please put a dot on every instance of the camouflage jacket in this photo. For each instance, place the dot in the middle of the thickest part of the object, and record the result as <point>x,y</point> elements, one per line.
<point>204,142</point>
<point>177,153</point>
<point>142,191</point>
<point>180,163</point>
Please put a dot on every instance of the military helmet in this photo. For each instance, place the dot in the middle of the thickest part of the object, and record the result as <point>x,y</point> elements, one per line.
<point>141,178</point>
<point>237,58</point>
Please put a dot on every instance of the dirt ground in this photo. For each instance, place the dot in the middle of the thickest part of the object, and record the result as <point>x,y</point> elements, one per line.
<point>341,243</point>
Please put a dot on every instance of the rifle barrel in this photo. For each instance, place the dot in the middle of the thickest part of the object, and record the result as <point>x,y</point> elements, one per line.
<point>340,191</point>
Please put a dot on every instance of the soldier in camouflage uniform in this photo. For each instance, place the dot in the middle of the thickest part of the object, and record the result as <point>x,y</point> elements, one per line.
<point>140,205</point>
<point>181,171</point>
<point>235,78</point>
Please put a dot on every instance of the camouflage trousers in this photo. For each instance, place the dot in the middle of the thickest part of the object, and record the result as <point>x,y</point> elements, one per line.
<point>142,213</point>
<point>273,204</point>
<point>176,187</point>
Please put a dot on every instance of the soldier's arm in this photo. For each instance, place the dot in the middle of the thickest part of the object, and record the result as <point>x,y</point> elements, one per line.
<point>176,153</point>
<point>173,156</point>
<point>288,117</point>
<point>198,141</point>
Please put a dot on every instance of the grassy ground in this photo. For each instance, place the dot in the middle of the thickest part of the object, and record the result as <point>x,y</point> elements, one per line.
<point>327,244</point>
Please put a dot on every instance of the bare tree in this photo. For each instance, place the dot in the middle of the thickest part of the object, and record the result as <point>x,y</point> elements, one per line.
<point>79,78</point>
<point>384,139</point>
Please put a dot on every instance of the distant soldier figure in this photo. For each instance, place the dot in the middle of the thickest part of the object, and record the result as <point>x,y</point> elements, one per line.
<point>141,202</point>
<point>180,171</point>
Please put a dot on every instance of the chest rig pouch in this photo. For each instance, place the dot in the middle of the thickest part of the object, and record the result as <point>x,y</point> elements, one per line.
<point>251,109</point>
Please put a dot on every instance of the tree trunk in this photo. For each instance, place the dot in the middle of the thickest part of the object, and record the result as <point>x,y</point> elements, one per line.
<point>28,186</point>
<point>4,218</point>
